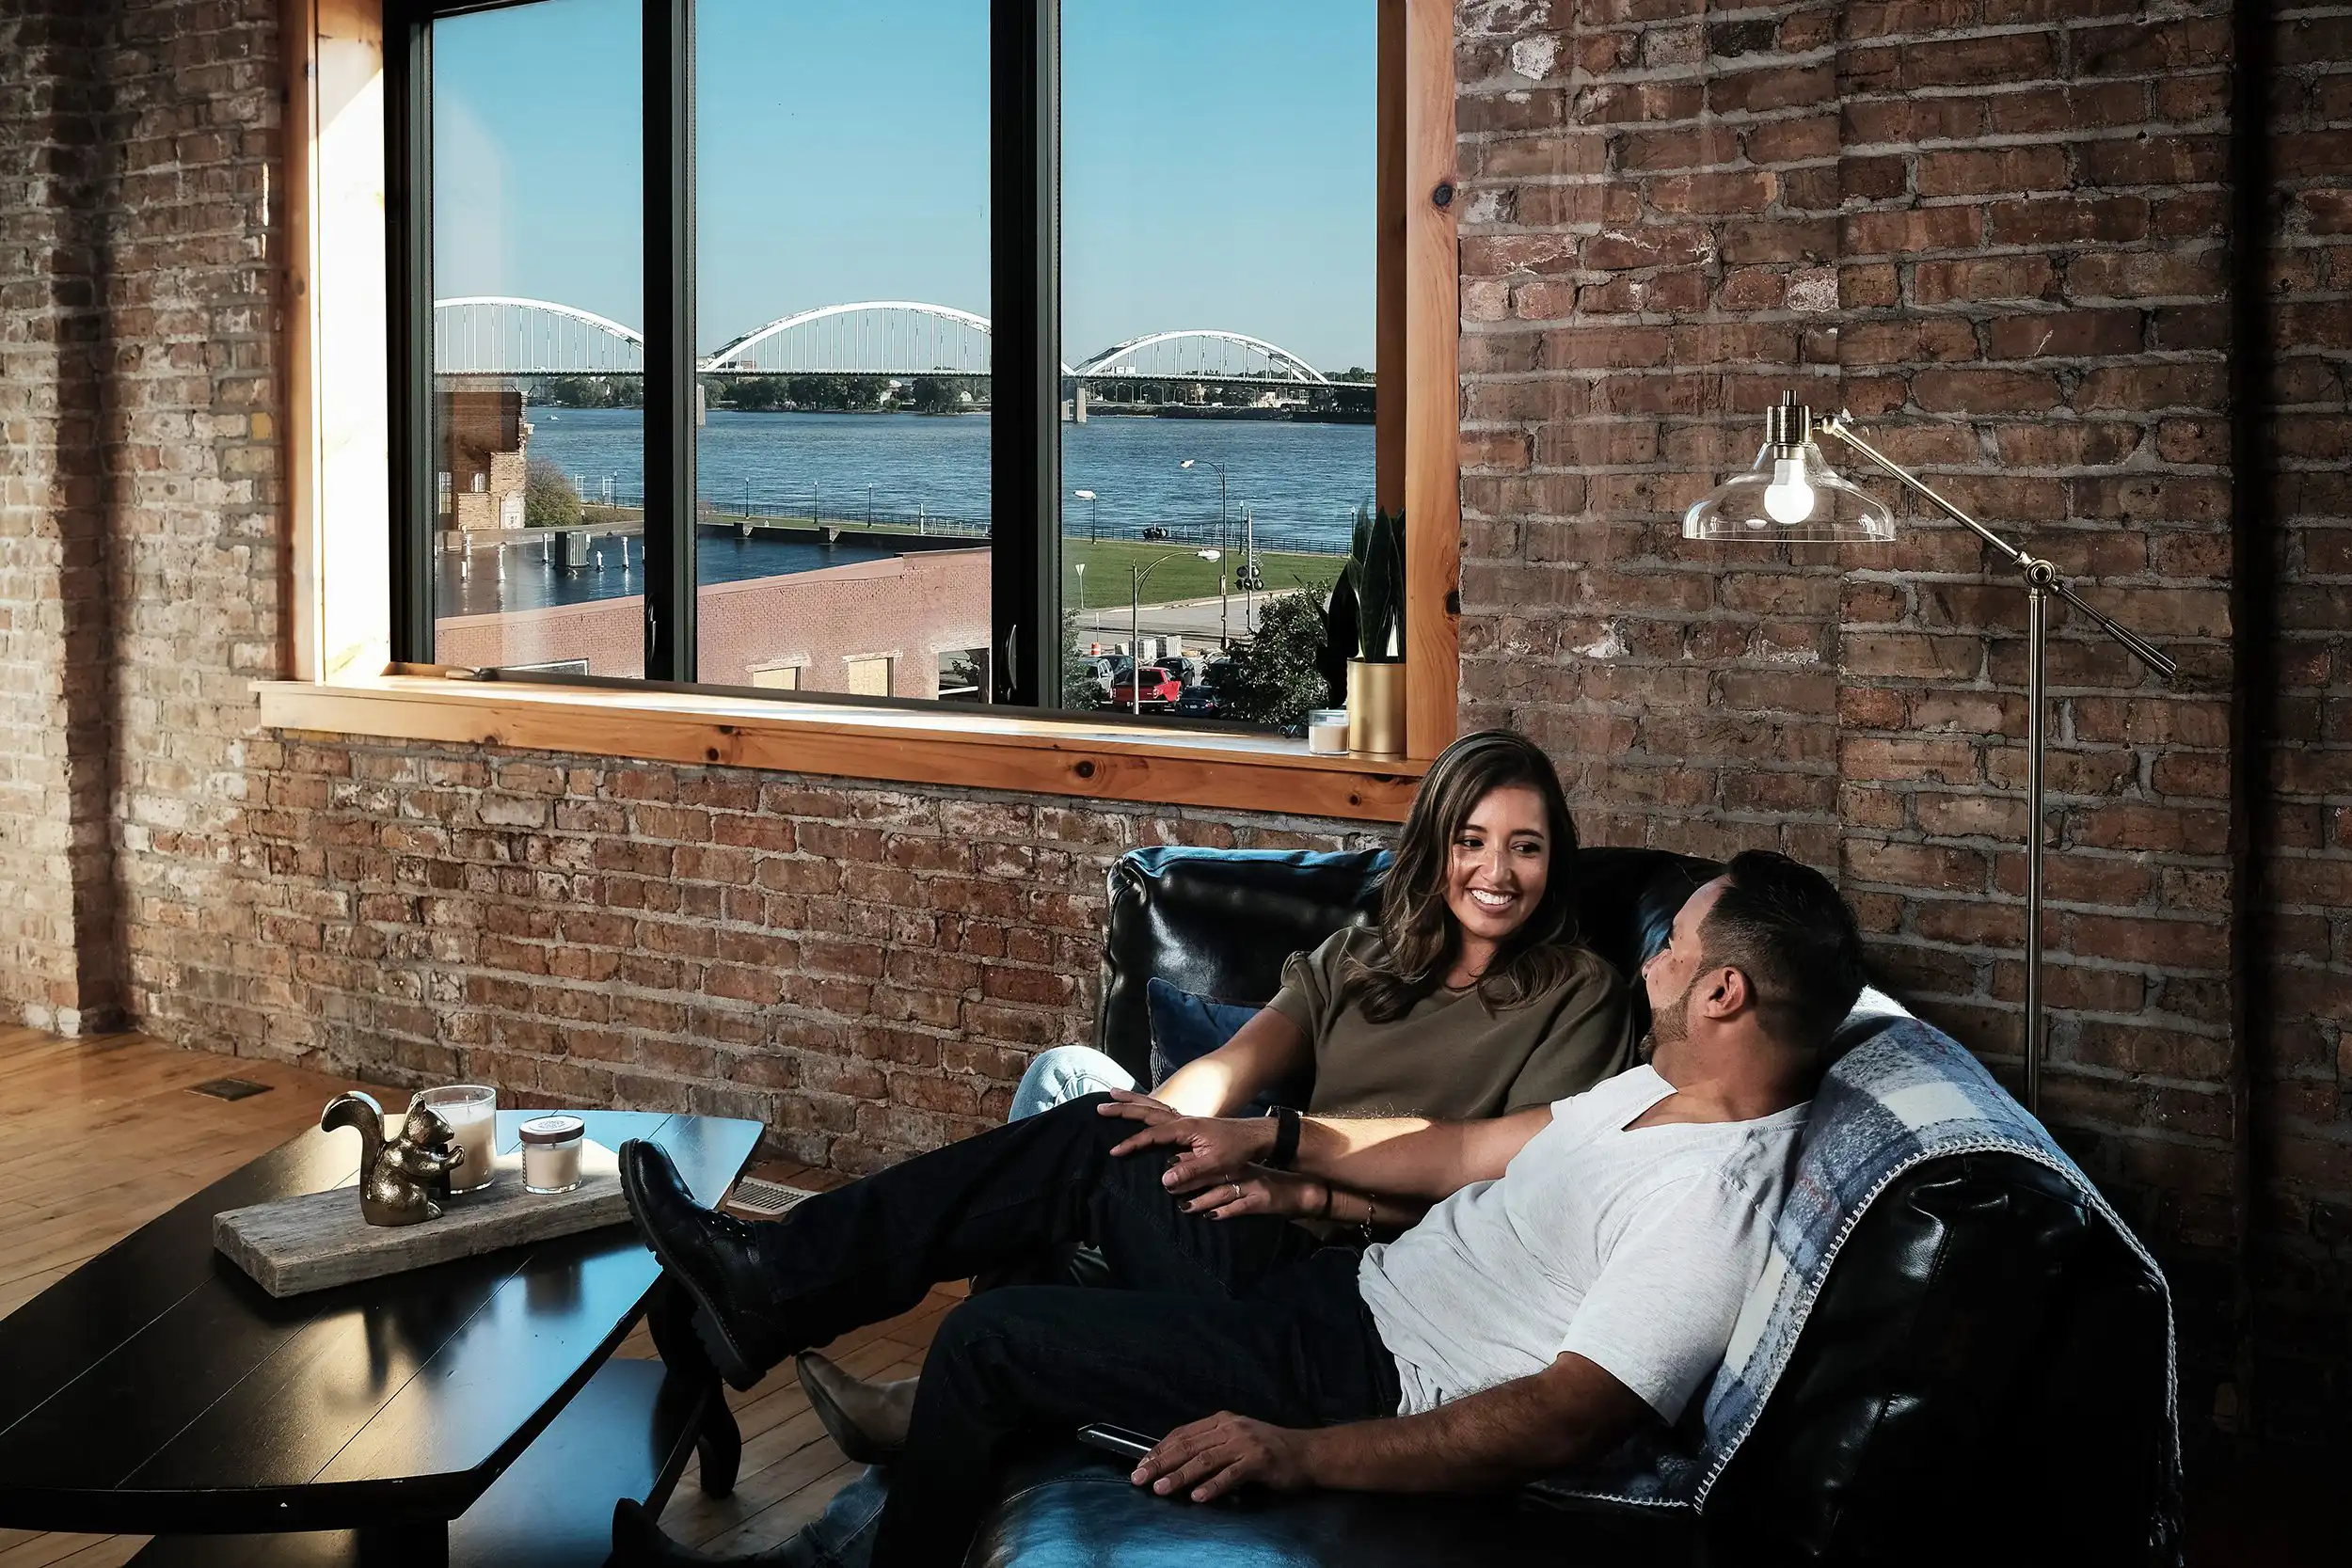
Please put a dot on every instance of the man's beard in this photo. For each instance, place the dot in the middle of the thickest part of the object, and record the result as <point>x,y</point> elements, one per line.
<point>1671,1023</point>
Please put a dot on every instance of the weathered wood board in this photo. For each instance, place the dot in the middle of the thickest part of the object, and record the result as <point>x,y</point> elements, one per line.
<point>299,1244</point>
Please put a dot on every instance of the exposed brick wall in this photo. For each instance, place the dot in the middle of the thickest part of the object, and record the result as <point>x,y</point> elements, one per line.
<point>1997,233</point>
<point>866,969</point>
<point>197,532</point>
<point>58,951</point>
<point>2303,1071</point>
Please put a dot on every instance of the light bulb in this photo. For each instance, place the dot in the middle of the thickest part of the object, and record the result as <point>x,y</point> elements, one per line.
<point>1789,499</point>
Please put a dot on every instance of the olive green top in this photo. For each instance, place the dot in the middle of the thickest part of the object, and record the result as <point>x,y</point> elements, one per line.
<point>1452,1057</point>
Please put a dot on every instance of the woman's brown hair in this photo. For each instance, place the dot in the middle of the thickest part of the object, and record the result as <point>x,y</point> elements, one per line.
<point>1418,932</point>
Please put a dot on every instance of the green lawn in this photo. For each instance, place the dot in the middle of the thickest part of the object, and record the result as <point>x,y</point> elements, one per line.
<point>1182,574</point>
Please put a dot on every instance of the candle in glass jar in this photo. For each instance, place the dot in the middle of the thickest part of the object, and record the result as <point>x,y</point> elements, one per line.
<point>471,1111</point>
<point>551,1154</point>
<point>1327,731</point>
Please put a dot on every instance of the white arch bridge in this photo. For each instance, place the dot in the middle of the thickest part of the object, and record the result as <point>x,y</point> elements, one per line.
<point>483,335</point>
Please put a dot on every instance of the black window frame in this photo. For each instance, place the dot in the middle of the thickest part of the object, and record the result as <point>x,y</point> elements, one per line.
<point>1025,291</point>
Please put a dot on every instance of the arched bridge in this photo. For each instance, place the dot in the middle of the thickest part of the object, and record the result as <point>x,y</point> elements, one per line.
<point>500,335</point>
<point>1202,354</point>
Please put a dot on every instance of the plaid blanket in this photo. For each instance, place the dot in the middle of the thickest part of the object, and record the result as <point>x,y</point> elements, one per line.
<point>1906,1094</point>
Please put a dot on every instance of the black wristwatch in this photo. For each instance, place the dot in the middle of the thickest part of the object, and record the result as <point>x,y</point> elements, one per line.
<point>1285,1137</point>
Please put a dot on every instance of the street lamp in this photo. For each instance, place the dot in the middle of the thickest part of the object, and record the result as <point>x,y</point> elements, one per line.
<point>1134,622</point>
<point>1223,639</point>
<point>869,508</point>
<point>1088,497</point>
<point>1082,589</point>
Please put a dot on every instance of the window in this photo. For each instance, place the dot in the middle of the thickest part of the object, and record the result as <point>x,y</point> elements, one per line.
<point>536,426</point>
<point>990,325</point>
<point>1217,305</point>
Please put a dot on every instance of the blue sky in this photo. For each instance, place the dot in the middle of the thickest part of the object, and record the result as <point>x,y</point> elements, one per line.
<point>1217,163</point>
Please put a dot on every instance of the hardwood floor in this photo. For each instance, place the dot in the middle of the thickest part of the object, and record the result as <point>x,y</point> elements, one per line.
<point>98,1136</point>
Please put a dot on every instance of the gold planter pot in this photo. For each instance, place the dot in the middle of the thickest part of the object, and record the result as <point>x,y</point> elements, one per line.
<point>1375,707</point>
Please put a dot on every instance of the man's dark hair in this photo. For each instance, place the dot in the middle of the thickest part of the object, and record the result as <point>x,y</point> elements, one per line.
<point>1785,928</point>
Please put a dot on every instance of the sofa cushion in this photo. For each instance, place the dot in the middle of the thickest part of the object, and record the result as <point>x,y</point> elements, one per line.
<point>1185,1027</point>
<point>1067,1507</point>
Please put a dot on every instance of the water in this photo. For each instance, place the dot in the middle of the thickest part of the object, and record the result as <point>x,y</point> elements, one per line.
<point>1301,483</point>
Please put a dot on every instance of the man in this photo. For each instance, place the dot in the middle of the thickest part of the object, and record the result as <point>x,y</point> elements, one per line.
<point>1577,1278</point>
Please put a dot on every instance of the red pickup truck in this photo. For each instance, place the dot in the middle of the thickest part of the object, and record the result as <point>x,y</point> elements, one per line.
<point>1159,688</point>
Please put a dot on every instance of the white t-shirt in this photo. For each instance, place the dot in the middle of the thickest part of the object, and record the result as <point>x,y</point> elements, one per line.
<point>1634,1250</point>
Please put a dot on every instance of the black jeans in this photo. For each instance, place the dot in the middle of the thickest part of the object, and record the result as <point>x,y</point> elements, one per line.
<point>1244,1315</point>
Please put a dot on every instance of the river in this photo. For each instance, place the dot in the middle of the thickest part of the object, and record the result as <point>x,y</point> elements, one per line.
<point>1299,482</point>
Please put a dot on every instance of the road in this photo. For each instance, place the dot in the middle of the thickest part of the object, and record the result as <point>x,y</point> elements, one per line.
<point>1193,620</point>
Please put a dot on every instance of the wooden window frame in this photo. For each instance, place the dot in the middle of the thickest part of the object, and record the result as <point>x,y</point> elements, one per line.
<point>345,398</point>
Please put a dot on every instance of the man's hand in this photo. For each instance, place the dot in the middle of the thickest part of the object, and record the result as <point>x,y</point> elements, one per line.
<point>1208,1459</point>
<point>1207,1149</point>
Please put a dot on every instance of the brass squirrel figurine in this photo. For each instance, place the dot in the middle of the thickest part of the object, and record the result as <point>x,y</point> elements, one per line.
<point>399,1177</point>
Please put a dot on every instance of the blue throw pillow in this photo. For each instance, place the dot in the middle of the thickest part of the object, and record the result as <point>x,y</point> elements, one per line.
<point>1185,1028</point>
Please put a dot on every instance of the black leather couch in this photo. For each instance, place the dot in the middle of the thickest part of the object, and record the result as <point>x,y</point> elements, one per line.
<point>1982,1381</point>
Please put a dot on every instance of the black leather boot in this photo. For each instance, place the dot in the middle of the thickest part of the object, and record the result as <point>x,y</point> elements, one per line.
<point>716,1256</point>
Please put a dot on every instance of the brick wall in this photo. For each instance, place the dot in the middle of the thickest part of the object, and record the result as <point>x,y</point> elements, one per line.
<point>58,943</point>
<point>866,969</point>
<point>2304,1067</point>
<point>1997,228</point>
<point>1997,233</point>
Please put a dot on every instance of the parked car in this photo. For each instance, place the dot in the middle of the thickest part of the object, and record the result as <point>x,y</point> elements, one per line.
<point>1160,689</point>
<point>1206,698</point>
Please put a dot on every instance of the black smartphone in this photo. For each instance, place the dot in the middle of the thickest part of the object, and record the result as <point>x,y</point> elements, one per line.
<point>1118,1440</point>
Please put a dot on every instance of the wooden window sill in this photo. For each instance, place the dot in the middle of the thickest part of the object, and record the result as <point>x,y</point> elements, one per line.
<point>975,750</point>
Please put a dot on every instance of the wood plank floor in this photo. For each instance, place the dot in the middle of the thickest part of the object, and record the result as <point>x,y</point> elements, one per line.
<point>100,1135</point>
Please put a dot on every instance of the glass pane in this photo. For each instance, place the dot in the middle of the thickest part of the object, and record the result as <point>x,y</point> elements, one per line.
<point>538,368</point>
<point>1218,315</point>
<point>842,246</point>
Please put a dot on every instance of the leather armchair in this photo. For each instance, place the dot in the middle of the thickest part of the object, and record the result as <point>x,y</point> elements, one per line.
<point>1982,1379</point>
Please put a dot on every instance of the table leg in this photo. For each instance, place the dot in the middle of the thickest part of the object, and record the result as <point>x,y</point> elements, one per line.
<point>720,1443</point>
<point>416,1545</point>
<point>720,1446</point>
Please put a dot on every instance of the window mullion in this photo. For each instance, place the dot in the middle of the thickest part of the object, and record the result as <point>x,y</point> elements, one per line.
<point>1024,350</point>
<point>671,382</point>
<point>408,266</point>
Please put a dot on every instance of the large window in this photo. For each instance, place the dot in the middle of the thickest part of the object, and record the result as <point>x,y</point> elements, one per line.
<point>978,351</point>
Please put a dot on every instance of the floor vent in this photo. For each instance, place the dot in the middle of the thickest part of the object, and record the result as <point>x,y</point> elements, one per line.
<point>756,1195</point>
<point>230,1088</point>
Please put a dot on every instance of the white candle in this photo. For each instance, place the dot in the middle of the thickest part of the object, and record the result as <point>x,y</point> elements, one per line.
<point>471,1111</point>
<point>551,1148</point>
<point>1327,731</point>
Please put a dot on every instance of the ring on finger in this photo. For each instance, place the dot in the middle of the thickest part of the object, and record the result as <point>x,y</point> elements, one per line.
<point>1236,1186</point>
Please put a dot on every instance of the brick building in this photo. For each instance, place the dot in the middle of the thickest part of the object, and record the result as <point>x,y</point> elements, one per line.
<point>821,630</point>
<point>483,447</point>
<point>2044,248</point>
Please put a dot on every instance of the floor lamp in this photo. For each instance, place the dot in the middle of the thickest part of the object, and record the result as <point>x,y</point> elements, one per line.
<point>1792,494</point>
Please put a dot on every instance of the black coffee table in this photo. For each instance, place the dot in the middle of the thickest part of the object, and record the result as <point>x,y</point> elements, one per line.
<point>466,1413</point>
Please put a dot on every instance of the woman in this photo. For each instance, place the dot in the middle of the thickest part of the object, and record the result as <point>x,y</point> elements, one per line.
<point>1470,998</point>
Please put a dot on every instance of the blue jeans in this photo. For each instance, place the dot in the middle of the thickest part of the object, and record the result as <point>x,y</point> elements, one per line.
<point>1065,1073</point>
<point>843,1535</point>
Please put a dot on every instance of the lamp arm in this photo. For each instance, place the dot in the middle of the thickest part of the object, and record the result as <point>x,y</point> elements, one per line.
<point>2037,571</point>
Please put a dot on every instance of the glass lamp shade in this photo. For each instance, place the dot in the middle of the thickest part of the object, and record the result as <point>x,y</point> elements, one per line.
<point>1791,493</point>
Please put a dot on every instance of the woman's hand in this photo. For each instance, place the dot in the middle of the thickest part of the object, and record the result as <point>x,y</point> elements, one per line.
<point>1138,1107</point>
<point>1206,1148</point>
<point>1263,1192</point>
<point>1208,1459</point>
